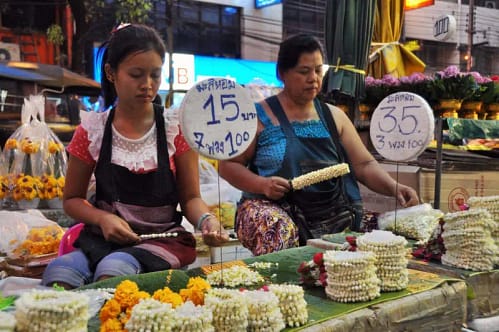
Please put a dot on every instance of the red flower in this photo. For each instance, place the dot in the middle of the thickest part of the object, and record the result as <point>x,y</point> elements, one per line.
<point>318,258</point>
<point>303,268</point>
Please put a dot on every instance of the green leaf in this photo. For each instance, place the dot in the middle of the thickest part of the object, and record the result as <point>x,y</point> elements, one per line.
<point>6,302</point>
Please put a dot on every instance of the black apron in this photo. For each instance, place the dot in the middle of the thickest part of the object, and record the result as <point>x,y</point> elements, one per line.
<point>147,201</point>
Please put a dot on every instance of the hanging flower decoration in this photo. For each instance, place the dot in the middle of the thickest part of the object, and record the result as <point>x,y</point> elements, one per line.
<point>54,180</point>
<point>11,146</point>
<point>29,148</point>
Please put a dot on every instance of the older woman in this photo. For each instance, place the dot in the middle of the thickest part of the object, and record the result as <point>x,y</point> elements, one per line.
<point>297,134</point>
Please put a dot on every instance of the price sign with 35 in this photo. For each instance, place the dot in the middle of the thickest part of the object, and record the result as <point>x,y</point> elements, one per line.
<point>402,126</point>
<point>218,118</point>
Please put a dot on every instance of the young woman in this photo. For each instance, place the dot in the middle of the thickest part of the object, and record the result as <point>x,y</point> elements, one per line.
<point>297,134</point>
<point>143,169</point>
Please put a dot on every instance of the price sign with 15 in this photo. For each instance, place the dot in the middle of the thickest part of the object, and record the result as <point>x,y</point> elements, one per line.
<point>218,118</point>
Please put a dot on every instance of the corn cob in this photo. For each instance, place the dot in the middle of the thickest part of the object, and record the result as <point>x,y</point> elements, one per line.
<point>291,303</point>
<point>320,175</point>
<point>263,311</point>
<point>351,276</point>
<point>50,310</point>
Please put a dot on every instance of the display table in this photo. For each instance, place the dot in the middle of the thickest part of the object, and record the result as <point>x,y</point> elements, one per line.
<point>430,300</point>
<point>483,287</point>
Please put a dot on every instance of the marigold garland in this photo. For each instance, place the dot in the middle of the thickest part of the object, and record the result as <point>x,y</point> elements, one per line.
<point>116,312</point>
<point>40,241</point>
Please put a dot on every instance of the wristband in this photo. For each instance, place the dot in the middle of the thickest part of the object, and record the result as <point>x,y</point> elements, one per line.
<point>202,219</point>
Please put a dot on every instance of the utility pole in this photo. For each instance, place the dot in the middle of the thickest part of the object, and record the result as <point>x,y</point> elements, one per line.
<point>471,32</point>
<point>169,29</point>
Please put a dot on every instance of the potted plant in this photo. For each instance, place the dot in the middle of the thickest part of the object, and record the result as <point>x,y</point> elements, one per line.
<point>472,107</point>
<point>451,87</point>
<point>490,98</point>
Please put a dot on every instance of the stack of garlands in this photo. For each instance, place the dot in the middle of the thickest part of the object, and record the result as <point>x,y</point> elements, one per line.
<point>117,311</point>
<point>313,272</point>
<point>54,180</point>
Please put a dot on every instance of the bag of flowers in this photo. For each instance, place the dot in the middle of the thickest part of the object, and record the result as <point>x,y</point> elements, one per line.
<point>34,159</point>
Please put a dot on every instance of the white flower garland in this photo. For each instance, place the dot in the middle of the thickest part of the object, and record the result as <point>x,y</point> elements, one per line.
<point>291,303</point>
<point>51,310</point>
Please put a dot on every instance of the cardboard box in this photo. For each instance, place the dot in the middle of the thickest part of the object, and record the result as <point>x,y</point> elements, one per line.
<point>405,174</point>
<point>456,187</point>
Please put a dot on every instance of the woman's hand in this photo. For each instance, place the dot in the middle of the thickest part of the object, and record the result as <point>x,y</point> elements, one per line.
<point>115,229</point>
<point>213,232</point>
<point>275,187</point>
<point>407,196</point>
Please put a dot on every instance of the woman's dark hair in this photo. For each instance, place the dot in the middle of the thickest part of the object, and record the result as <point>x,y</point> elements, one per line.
<point>126,40</point>
<point>292,48</point>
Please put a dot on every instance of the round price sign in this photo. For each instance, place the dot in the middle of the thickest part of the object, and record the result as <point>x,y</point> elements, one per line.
<point>218,118</point>
<point>402,126</point>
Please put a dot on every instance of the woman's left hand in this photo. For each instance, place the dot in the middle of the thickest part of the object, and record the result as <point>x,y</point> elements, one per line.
<point>213,232</point>
<point>407,196</point>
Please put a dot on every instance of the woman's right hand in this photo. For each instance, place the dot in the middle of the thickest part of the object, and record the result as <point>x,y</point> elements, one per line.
<point>275,187</point>
<point>115,229</point>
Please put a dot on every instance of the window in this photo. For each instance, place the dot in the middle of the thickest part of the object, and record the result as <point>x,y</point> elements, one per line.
<point>206,29</point>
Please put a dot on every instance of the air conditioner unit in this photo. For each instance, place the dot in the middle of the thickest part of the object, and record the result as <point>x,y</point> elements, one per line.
<point>9,52</point>
<point>491,4</point>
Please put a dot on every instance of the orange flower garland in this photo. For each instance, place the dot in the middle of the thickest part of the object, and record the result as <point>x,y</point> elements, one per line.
<point>116,312</point>
<point>40,241</point>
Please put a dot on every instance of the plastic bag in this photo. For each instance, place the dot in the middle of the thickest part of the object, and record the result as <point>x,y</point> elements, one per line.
<point>416,222</point>
<point>218,194</point>
<point>34,158</point>
<point>26,234</point>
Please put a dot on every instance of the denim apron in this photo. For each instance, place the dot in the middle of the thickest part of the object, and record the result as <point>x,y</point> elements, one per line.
<point>322,208</point>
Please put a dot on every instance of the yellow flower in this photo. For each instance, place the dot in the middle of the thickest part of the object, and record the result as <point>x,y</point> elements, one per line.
<point>11,144</point>
<point>198,283</point>
<point>27,187</point>
<point>166,295</point>
<point>52,187</point>
<point>54,147</point>
<point>112,325</point>
<point>4,186</point>
<point>28,146</point>
<point>110,310</point>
